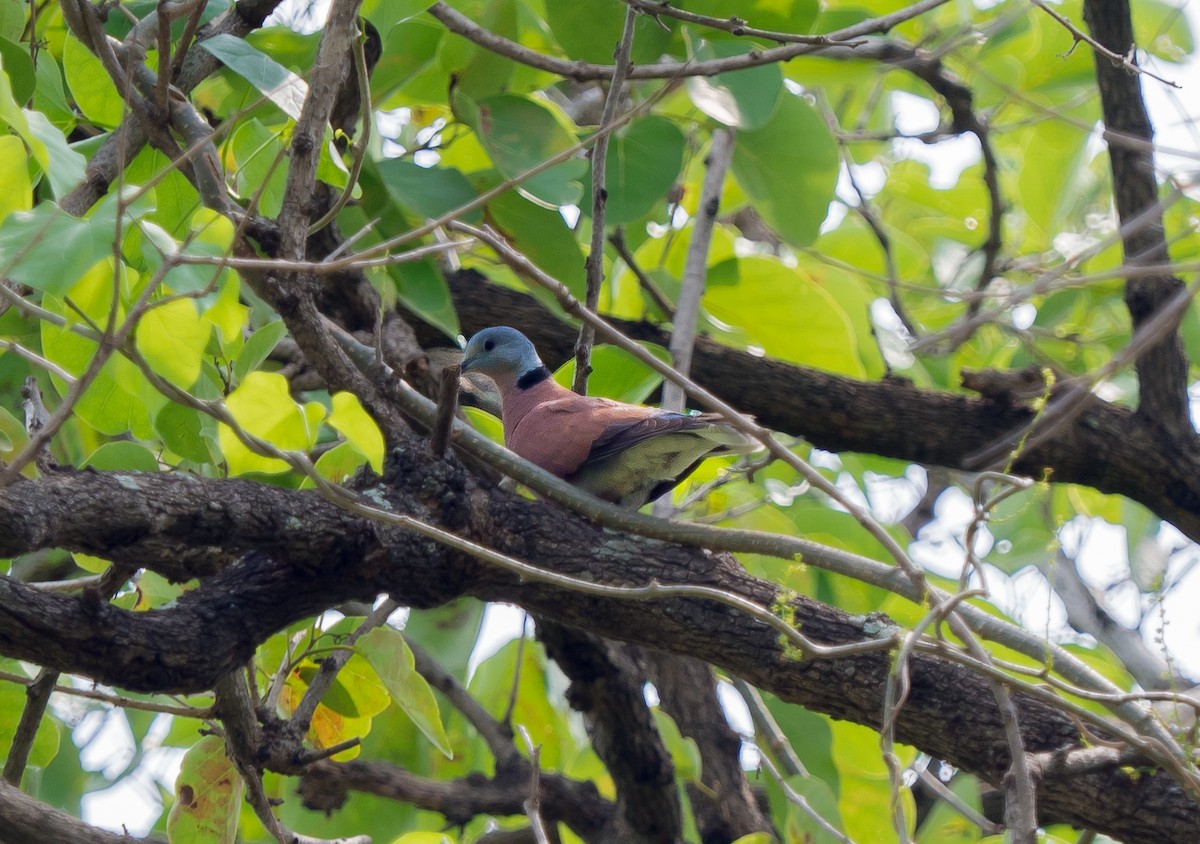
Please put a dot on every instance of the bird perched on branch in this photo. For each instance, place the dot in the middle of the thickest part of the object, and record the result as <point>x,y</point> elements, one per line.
<point>623,453</point>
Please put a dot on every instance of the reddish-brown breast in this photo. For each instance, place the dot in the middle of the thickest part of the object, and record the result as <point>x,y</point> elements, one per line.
<point>555,428</point>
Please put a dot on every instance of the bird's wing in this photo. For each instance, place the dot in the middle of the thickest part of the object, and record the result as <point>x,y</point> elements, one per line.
<point>560,434</point>
<point>625,434</point>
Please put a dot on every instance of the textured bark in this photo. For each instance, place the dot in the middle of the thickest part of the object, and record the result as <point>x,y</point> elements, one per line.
<point>324,787</point>
<point>1162,370</point>
<point>1108,447</point>
<point>24,820</point>
<point>606,686</point>
<point>950,713</point>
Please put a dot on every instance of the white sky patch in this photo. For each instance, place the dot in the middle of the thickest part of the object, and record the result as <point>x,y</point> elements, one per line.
<point>947,158</point>
<point>1023,316</point>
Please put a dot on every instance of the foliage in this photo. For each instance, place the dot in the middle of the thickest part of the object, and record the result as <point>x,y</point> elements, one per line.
<point>852,237</point>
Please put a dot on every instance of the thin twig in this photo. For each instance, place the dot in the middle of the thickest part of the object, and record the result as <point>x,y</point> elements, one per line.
<point>957,803</point>
<point>496,734</point>
<point>769,731</point>
<point>359,149</point>
<point>695,272</point>
<point>649,287</point>
<point>595,260</point>
<point>332,664</point>
<point>800,800</point>
<point>1126,61</point>
<point>37,695</point>
<point>447,407</point>
<point>533,805</point>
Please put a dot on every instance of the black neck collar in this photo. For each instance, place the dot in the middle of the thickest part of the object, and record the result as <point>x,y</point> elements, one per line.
<point>532,377</point>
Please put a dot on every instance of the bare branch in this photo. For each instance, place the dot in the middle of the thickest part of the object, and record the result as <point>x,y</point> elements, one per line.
<point>595,259</point>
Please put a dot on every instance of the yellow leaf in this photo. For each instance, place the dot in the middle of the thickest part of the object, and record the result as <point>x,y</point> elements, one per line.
<point>356,425</point>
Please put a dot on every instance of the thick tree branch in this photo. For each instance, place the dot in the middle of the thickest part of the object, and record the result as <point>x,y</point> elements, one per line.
<point>1162,370</point>
<point>24,820</point>
<point>606,687</point>
<point>214,629</point>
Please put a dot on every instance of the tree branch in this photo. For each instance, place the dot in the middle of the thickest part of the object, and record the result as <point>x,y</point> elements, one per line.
<point>1162,370</point>
<point>24,820</point>
<point>173,648</point>
<point>606,688</point>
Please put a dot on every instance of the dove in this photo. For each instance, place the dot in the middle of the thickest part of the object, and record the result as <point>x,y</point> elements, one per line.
<point>623,453</point>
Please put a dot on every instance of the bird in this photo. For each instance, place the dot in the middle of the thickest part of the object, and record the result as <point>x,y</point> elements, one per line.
<point>626,454</point>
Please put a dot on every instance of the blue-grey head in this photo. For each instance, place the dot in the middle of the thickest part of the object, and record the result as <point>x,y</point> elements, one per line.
<point>502,353</point>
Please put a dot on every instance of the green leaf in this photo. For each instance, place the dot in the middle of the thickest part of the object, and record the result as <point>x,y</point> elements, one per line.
<point>49,96</point>
<point>519,134</point>
<point>263,406</point>
<point>1163,29</point>
<point>256,349</point>
<point>336,465</point>
<point>428,192</point>
<point>63,166</point>
<point>643,164</point>
<point>45,743</point>
<point>12,20</point>
<point>15,61</point>
<point>591,29</point>
<point>184,431</point>
<point>683,749</point>
<point>422,288</point>
<point>618,374</point>
<point>944,824</point>
<point>790,166</point>
<point>36,131</point>
<point>798,825</point>
<point>385,14</point>
<point>50,250</point>
<point>393,661</point>
<point>743,98</point>
<point>485,423</point>
<point>788,314</point>
<point>783,15</point>
<point>355,424</point>
<point>118,456</point>
<point>16,190</point>
<point>262,170</point>
<point>409,50</point>
<point>91,86</point>
<point>424,838</point>
<point>208,796</point>
<point>269,77</point>
<point>499,677</point>
<point>172,337</point>
<point>119,399</point>
<point>448,632</point>
<point>542,236</point>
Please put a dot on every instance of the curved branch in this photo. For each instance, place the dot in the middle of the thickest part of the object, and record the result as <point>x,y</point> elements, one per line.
<point>579,805</point>
<point>214,629</point>
<point>24,820</point>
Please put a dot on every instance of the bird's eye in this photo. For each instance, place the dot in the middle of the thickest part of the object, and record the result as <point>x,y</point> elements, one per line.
<point>488,345</point>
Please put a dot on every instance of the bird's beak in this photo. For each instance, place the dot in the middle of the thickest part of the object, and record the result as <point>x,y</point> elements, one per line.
<point>465,365</point>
